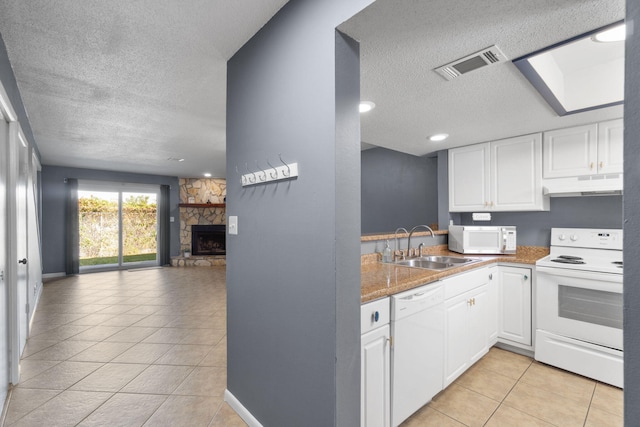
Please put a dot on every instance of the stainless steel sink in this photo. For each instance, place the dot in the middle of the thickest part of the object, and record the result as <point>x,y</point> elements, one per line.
<point>438,263</point>
<point>449,259</point>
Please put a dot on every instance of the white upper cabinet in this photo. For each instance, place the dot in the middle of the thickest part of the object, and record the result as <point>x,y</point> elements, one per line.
<point>584,150</point>
<point>571,152</point>
<point>469,178</point>
<point>611,146</point>
<point>503,175</point>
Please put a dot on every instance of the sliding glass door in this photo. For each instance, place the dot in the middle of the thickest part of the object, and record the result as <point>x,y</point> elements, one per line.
<point>118,225</point>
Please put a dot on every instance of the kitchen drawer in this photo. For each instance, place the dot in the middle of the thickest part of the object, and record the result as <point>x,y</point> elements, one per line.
<point>368,318</point>
<point>464,282</point>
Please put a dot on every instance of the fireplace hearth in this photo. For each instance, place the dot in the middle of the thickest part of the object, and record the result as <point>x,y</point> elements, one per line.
<point>208,239</point>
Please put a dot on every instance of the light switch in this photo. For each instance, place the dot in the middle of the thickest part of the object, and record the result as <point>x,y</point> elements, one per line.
<point>233,224</point>
<point>172,219</point>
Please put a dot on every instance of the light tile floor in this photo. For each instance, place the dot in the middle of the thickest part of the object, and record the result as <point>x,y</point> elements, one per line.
<point>505,389</point>
<point>148,347</point>
<point>127,348</point>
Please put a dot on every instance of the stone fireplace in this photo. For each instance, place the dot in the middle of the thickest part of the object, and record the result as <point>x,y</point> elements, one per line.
<point>202,204</point>
<point>208,240</point>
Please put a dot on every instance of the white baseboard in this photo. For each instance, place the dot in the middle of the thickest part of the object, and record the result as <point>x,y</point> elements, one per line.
<point>240,409</point>
<point>52,275</point>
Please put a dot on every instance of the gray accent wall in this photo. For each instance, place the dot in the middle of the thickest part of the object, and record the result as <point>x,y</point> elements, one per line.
<point>534,228</point>
<point>443,191</point>
<point>398,190</point>
<point>53,208</point>
<point>293,333</point>
<point>632,217</point>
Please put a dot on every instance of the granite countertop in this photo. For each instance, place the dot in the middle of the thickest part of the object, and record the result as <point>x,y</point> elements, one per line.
<point>380,280</point>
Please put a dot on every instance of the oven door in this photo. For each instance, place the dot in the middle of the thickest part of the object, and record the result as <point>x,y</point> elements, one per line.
<point>580,304</point>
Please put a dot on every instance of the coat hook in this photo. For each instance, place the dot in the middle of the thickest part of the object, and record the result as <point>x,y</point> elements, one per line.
<point>242,178</point>
<point>274,174</point>
<point>262,177</point>
<point>288,168</point>
<point>252,173</point>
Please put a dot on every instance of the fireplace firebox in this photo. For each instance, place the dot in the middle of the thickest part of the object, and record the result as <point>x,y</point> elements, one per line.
<point>208,240</point>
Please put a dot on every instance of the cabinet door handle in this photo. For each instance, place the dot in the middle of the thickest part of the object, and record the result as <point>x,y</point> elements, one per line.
<point>526,277</point>
<point>491,276</point>
<point>591,166</point>
<point>601,165</point>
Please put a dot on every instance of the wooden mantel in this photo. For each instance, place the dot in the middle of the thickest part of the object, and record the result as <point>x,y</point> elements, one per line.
<point>202,205</point>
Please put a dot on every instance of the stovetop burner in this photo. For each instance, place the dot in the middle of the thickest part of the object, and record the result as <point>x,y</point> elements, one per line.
<point>571,257</point>
<point>568,261</point>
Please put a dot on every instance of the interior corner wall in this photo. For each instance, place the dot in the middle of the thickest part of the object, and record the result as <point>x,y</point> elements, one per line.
<point>53,208</point>
<point>293,343</point>
<point>398,190</point>
<point>10,84</point>
<point>631,325</point>
<point>443,192</point>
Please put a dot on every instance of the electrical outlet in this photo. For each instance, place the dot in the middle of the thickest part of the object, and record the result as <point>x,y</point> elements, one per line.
<point>481,216</point>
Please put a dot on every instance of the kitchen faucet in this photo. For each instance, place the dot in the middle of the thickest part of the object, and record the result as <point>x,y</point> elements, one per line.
<point>411,233</point>
<point>395,249</point>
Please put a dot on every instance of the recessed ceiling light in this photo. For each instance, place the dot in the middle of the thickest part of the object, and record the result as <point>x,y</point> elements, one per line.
<point>438,137</point>
<point>615,34</point>
<point>181,160</point>
<point>366,106</point>
<point>207,175</point>
<point>175,159</point>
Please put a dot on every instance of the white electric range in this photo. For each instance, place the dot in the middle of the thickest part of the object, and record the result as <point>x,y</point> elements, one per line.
<point>579,303</point>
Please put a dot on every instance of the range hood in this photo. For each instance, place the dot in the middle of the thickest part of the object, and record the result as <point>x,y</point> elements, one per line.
<point>592,185</point>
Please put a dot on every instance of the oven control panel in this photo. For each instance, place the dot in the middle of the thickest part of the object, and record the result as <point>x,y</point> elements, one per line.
<point>587,238</point>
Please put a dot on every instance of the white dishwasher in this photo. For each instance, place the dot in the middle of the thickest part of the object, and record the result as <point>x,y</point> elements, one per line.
<point>417,328</point>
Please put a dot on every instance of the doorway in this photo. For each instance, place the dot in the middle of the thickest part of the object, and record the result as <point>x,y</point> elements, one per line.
<point>118,226</point>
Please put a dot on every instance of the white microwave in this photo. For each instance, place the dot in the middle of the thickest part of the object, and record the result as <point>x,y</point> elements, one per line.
<point>468,239</point>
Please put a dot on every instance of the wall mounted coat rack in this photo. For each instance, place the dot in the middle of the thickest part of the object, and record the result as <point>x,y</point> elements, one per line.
<point>273,173</point>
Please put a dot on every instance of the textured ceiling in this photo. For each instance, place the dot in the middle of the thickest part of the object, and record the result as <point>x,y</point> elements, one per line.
<point>401,42</point>
<point>124,85</point>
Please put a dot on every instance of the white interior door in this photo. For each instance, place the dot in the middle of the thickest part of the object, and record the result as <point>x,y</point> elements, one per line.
<point>34,244</point>
<point>22,236</point>
<point>4,315</point>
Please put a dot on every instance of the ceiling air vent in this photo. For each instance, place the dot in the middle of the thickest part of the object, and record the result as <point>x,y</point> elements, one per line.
<point>487,56</point>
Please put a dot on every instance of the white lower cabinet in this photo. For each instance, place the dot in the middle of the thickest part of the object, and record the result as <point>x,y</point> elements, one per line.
<point>375,352</point>
<point>481,307</point>
<point>466,321</point>
<point>515,305</point>
<point>493,319</point>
